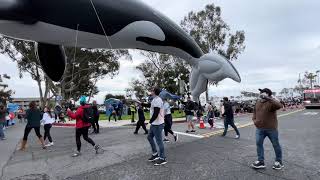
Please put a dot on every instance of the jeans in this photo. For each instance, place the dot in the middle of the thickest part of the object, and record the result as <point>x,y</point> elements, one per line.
<point>273,135</point>
<point>1,131</point>
<point>230,122</point>
<point>156,132</point>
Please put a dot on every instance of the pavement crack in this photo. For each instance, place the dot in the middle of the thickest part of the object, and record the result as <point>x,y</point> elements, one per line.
<point>10,158</point>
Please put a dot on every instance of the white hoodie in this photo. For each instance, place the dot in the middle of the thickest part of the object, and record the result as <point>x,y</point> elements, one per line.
<point>46,119</point>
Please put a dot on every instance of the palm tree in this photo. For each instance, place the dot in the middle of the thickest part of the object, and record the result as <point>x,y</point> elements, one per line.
<point>311,77</point>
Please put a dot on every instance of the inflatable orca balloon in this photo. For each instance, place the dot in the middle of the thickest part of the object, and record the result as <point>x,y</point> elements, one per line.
<point>120,24</point>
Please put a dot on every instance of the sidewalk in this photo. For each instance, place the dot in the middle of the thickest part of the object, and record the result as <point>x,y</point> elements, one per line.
<point>13,135</point>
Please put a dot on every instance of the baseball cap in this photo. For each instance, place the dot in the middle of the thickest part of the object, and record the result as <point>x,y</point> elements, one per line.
<point>266,90</point>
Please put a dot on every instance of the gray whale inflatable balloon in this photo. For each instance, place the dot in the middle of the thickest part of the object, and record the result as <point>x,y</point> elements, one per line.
<point>110,24</point>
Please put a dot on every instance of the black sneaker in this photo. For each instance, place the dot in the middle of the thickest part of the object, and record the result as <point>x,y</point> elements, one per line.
<point>176,137</point>
<point>187,131</point>
<point>193,130</point>
<point>97,148</point>
<point>258,165</point>
<point>135,133</point>
<point>153,158</point>
<point>160,162</point>
<point>146,132</point>
<point>166,140</point>
<point>277,165</point>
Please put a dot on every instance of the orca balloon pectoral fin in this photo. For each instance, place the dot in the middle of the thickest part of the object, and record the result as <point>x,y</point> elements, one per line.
<point>52,59</point>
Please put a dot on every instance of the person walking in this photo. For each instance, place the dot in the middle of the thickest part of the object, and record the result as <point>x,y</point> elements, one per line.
<point>133,110</point>
<point>20,114</point>
<point>33,116</point>
<point>120,110</point>
<point>266,122</point>
<point>156,128</point>
<point>210,117</point>
<point>96,116</point>
<point>3,113</point>
<point>189,110</point>
<point>47,120</point>
<point>229,117</point>
<point>112,113</point>
<point>82,127</point>
<point>168,122</point>
<point>141,120</point>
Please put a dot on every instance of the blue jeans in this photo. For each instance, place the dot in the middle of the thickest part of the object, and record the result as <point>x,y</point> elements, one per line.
<point>230,122</point>
<point>156,132</point>
<point>273,135</point>
<point>1,130</point>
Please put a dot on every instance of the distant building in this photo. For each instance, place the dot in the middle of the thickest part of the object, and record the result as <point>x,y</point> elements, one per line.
<point>24,102</point>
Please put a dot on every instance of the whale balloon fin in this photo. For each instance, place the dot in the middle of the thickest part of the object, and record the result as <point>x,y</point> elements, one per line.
<point>52,59</point>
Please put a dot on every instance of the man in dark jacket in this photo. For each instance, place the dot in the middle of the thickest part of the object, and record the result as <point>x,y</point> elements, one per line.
<point>228,117</point>
<point>189,110</point>
<point>141,120</point>
<point>3,112</point>
<point>266,122</point>
<point>96,115</point>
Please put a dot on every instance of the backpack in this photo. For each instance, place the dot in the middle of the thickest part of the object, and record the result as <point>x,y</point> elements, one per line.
<point>88,115</point>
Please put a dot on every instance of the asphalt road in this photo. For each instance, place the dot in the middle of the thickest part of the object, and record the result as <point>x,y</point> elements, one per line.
<point>215,157</point>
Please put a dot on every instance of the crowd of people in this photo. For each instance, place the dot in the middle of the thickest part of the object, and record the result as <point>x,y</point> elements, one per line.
<point>86,116</point>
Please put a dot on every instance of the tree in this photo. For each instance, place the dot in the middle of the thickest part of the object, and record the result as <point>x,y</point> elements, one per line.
<point>137,88</point>
<point>87,68</point>
<point>5,94</point>
<point>213,34</point>
<point>120,97</point>
<point>160,70</point>
<point>84,68</point>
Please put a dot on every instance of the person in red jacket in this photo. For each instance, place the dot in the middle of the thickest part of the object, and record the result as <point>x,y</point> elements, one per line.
<point>82,127</point>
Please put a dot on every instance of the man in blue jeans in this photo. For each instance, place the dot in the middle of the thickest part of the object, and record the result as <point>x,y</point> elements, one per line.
<point>156,128</point>
<point>265,119</point>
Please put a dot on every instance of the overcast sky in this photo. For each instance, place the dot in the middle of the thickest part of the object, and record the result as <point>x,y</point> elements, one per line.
<point>282,40</point>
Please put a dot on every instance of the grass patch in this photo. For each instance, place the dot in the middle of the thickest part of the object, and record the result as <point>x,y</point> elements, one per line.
<point>176,114</point>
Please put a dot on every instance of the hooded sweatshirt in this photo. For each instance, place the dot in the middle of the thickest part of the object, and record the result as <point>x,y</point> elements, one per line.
<point>79,116</point>
<point>265,114</point>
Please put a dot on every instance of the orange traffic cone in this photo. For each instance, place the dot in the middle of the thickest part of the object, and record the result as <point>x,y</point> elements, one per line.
<point>202,126</point>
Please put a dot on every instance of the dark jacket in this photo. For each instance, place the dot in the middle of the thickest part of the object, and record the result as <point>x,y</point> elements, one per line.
<point>3,115</point>
<point>141,115</point>
<point>265,114</point>
<point>228,111</point>
<point>96,113</point>
<point>189,108</point>
<point>33,117</point>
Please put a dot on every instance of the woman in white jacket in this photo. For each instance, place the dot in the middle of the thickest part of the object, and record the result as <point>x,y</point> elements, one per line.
<point>47,120</point>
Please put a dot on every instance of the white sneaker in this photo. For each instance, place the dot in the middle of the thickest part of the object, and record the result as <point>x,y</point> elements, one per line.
<point>50,144</point>
<point>237,137</point>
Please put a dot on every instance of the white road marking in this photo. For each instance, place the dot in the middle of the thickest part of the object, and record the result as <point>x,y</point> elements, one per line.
<point>310,113</point>
<point>191,135</point>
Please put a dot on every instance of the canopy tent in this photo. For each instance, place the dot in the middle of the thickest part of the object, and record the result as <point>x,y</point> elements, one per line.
<point>167,95</point>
